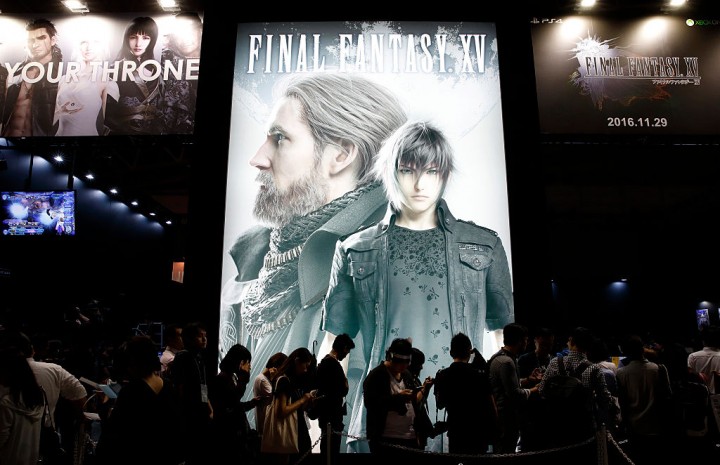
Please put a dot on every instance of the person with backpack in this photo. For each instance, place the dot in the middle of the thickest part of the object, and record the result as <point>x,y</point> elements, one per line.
<point>575,391</point>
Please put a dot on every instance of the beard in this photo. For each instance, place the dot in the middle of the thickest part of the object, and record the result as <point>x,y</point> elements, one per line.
<point>277,207</point>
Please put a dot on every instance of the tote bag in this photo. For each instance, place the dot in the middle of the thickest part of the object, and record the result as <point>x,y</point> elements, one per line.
<point>280,435</point>
<point>51,450</point>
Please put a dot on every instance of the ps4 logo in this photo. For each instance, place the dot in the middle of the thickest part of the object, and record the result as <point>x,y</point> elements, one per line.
<point>546,21</point>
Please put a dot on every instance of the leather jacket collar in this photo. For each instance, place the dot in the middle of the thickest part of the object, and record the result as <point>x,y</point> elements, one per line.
<point>445,219</point>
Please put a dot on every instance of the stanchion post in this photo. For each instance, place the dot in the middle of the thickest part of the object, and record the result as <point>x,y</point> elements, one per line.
<point>329,441</point>
<point>601,444</point>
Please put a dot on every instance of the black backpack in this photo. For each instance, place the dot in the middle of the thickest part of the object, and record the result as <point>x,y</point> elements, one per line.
<point>569,403</point>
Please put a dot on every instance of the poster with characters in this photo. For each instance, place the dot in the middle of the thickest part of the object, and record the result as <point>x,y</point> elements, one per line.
<point>96,75</point>
<point>313,105</point>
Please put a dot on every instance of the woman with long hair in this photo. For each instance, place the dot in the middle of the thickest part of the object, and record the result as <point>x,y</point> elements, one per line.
<point>139,81</point>
<point>231,428</point>
<point>21,409</point>
<point>290,394</point>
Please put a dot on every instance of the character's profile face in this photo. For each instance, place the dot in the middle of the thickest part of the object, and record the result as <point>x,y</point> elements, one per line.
<point>290,183</point>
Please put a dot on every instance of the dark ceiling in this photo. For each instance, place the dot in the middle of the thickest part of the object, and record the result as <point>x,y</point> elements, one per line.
<point>55,7</point>
<point>627,199</point>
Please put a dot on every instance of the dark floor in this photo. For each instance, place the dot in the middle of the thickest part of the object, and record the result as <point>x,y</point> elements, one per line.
<point>688,450</point>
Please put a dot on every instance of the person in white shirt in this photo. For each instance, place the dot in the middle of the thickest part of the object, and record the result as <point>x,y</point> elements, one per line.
<point>263,387</point>
<point>172,335</point>
<point>54,379</point>
<point>706,362</point>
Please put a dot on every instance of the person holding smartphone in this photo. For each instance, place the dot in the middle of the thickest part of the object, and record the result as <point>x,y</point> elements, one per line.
<point>332,387</point>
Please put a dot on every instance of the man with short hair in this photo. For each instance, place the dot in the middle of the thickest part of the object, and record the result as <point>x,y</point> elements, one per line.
<point>30,106</point>
<point>390,403</point>
<point>706,362</point>
<point>464,392</point>
<point>181,53</point>
<point>332,387</point>
<point>172,336</point>
<point>509,395</point>
<point>644,393</point>
<point>189,375</point>
<point>575,363</point>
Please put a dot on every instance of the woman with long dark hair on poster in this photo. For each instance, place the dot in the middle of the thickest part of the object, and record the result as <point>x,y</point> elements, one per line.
<point>139,80</point>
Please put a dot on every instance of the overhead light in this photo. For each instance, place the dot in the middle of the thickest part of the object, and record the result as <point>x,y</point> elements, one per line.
<point>169,5</point>
<point>677,3</point>
<point>89,176</point>
<point>58,158</point>
<point>113,191</point>
<point>76,6</point>
<point>134,203</point>
<point>587,3</point>
<point>152,213</point>
<point>168,222</point>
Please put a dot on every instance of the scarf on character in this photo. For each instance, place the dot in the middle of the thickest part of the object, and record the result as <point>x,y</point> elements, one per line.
<point>273,300</point>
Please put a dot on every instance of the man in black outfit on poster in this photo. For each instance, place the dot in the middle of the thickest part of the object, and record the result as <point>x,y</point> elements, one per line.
<point>332,388</point>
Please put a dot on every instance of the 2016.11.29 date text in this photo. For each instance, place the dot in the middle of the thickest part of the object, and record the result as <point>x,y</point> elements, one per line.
<point>629,122</point>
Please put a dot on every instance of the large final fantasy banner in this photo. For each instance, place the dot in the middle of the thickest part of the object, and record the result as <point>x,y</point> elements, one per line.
<point>95,75</point>
<point>650,76</point>
<point>443,73</point>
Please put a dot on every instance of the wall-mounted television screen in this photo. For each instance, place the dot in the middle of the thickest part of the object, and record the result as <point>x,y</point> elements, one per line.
<point>702,315</point>
<point>38,213</point>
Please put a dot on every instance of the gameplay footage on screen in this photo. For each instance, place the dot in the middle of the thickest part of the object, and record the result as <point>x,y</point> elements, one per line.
<point>39,213</point>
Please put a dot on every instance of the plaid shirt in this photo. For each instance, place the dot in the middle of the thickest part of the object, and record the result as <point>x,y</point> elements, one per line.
<point>592,378</point>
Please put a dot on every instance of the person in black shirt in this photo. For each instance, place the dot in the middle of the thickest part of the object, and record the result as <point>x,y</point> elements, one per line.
<point>332,387</point>
<point>232,437</point>
<point>463,390</point>
<point>189,375</point>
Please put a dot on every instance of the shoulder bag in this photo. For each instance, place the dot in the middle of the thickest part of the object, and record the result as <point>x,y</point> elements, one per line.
<point>280,434</point>
<point>51,449</point>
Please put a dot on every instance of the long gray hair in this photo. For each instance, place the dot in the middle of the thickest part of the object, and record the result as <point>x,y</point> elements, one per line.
<point>345,109</point>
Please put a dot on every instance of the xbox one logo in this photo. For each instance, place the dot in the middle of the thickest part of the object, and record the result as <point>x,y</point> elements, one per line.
<point>702,22</point>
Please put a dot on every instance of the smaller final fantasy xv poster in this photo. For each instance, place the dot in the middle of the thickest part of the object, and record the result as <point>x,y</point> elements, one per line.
<point>649,76</point>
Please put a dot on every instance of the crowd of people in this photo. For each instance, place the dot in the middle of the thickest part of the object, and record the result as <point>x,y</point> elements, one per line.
<point>498,405</point>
